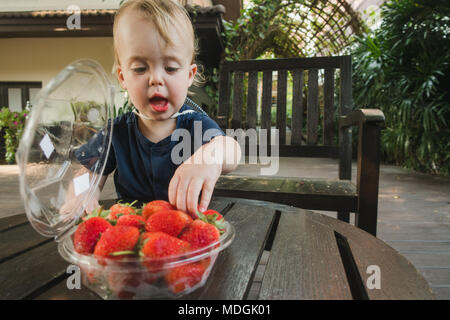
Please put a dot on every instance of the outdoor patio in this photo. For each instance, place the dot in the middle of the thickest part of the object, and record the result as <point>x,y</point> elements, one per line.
<point>414,211</point>
<point>318,69</point>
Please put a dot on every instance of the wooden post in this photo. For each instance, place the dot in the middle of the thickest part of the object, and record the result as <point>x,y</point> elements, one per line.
<point>345,134</point>
<point>368,177</point>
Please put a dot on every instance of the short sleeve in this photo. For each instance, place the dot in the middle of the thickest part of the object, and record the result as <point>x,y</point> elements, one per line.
<point>92,155</point>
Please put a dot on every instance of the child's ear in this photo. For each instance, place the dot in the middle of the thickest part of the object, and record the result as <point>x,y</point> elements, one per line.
<point>121,78</point>
<point>192,73</point>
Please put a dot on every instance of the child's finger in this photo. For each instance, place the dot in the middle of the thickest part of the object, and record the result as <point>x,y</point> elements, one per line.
<point>173,185</point>
<point>207,191</point>
<point>192,195</point>
<point>181,193</point>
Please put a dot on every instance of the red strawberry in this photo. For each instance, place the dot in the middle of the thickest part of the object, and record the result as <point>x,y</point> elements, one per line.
<point>171,222</point>
<point>186,276</point>
<point>123,283</point>
<point>159,245</point>
<point>200,234</point>
<point>116,242</point>
<point>131,220</point>
<point>121,208</point>
<point>87,234</point>
<point>155,206</point>
<point>211,212</point>
<point>213,217</point>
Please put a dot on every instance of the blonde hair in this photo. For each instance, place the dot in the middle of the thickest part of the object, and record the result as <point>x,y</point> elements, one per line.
<point>164,14</point>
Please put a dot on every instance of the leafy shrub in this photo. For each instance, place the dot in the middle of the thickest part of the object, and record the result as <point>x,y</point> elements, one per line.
<point>403,67</point>
<point>11,124</point>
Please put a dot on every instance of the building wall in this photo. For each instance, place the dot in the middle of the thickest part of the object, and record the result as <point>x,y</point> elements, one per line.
<point>40,59</point>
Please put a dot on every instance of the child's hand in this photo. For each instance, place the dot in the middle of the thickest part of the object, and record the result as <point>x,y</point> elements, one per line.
<point>200,173</point>
<point>189,179</point>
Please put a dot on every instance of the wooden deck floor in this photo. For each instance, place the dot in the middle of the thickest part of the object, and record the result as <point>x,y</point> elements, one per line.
<point>414,212</point>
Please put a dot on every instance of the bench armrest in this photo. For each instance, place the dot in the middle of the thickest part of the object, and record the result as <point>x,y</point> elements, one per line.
<point>360,116</point>
<point>370,122</point>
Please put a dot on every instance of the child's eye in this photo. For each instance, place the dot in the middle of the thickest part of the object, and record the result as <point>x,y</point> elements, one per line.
<point>171,69</point>
<point>139,70</point>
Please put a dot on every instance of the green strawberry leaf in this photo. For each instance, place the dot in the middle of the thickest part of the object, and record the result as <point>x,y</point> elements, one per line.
<point>212,219</point>
<point>104,213</point>
<point>112,222</point>
<point>121,253</point>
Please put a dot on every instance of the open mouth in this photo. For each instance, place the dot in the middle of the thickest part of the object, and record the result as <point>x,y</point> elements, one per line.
<point>159,103</point>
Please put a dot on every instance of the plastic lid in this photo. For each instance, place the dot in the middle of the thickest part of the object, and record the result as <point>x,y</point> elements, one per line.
<point>73,109</point>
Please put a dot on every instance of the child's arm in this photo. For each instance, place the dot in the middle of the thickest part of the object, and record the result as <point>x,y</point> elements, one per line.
<point>200,172</point>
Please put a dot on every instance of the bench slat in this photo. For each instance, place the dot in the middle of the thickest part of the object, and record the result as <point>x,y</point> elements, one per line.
<point>224,92</point>
<point>297,107</point>
<point>304,193</point>
<point>252,98</point>
<point>312,107</point>
<point>345,134</point>
<point>304,252</point>
<point>266,103</point>
<point>286,63</point>
<point>328,110</point>
<point>281,105</point>
<point>286,184</point>
<point>236,122</point>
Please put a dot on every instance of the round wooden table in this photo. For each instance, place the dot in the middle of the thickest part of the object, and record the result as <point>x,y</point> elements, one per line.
<point>306,255</point>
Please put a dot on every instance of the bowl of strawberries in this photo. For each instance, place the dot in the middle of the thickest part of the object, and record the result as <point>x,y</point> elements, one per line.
<point>151,252</point>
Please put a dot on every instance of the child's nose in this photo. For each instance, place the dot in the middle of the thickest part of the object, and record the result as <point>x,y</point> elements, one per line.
<point>156,78</point>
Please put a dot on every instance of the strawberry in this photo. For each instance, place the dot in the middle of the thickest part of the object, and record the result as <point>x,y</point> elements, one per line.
<point>116,242</point>
<point>123,283</point>
<point>200,234</point>
<point>121,209</point>
<point>159,245</point>
<point>186,276</point>
<point>131,220</point>
<point>171,222</point>
<point>155,206</point>
<point>87,234</point>
<point>213,217</point>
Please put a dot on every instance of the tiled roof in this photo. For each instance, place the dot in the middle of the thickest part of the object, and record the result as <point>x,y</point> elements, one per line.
<point>55,13</point>
<point>95,12</point>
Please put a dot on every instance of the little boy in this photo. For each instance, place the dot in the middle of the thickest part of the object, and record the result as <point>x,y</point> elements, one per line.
<point>154,48</point>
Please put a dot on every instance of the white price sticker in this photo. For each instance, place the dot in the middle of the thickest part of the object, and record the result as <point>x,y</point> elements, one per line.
<point>81,184</point>
<point>47,146</point>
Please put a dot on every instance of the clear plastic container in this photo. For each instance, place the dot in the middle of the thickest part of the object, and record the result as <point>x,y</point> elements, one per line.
<point>144,278</point>
<point>75,106</point>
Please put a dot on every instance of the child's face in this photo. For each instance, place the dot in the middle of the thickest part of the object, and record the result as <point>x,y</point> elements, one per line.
<point>156,75</point>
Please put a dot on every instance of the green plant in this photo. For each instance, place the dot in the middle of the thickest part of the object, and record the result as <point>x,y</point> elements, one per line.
<point>126,107</point>
<point>283,29</point>
<point>12,123</point>
<point>403,67</point>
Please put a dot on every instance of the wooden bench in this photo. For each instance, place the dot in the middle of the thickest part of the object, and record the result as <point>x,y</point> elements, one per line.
<point>313,80</point>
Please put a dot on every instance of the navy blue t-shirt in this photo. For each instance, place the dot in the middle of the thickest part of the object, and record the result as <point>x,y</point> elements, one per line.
<point>143,169</point>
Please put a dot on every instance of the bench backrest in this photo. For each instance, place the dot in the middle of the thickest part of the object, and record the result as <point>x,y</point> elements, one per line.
<point>239,83</point>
